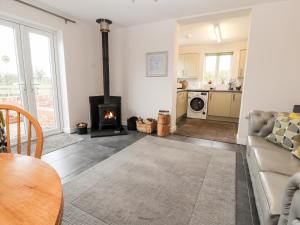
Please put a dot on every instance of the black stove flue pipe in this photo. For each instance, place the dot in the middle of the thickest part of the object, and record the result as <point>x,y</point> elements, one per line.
<point>104,28</point>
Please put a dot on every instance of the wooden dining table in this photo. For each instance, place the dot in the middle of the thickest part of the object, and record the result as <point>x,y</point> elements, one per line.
<point>30,191</point>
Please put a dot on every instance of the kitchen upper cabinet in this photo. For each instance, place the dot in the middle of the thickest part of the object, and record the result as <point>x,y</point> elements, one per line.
<point>180,66</point>
<point>235,105</point>
<point>242,63</point>
<point>181,106</point>
<point>189,65</point>
<point>219,104</point>
<point>224,104</point>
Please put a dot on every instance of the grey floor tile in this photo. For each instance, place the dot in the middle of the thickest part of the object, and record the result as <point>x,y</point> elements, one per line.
<point>118,142</point>
<point>70,164</point>
<point>227,146</point>
<point>79,170</point>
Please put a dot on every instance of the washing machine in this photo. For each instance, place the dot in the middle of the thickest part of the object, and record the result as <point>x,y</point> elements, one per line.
<point>197,105</point>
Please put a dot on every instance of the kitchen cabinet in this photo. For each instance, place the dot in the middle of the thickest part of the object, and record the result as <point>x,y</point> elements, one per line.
<point>219,104</point>
<point>242,63</point>
<point>224,104</point>
<point>181,106</point>
<point>235,105</point>
<point>189,65</point>
<point>180,67</point>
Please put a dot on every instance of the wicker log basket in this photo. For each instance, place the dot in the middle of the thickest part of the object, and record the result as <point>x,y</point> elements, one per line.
<point>147,126</point>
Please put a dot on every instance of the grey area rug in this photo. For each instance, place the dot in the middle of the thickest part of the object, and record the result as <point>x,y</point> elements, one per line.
<point>54,142</point>
<point>155,181</point>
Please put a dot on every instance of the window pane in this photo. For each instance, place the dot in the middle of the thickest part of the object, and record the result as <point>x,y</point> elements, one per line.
<point>42,79</point>
<point>10,87</point>
<point>210,68</point>
<point>10,92</point>
<point>224,73</point>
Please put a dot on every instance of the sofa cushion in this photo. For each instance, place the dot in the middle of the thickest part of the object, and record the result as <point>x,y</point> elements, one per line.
<point>255,141</point>
<point>280,126</point>
<point>276,160</point>
<point>261,123</point>
<point>274,187</point>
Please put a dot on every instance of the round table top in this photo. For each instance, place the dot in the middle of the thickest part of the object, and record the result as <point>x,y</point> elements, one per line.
<point>30,191</point>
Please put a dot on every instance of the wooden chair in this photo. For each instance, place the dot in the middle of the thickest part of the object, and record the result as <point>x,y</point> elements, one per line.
<point>31,122</point>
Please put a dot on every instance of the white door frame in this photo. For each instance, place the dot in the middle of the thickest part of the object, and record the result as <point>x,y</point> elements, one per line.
<point>25,30</point>
<point>25,68</point>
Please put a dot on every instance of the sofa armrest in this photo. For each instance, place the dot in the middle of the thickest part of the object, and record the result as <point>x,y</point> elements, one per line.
<point>261,123</point>
<point>296,222</point>
<point>290,212</point>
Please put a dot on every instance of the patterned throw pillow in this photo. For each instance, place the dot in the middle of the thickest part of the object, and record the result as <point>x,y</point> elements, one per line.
<point>296,152</point>
<point>281,123</point>
<point>294,116</point>
<point>291,139</point>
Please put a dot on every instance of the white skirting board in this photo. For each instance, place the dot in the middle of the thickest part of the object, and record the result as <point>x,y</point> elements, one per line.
<point>69,130</point>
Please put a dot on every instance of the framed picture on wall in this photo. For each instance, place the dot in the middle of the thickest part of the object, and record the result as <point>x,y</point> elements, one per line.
<point>157,64</point>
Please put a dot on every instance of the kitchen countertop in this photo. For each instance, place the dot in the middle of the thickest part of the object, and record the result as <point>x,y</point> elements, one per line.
<point>214,90</point>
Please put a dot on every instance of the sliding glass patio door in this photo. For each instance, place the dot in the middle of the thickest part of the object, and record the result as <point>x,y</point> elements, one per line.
<point>27,73</point>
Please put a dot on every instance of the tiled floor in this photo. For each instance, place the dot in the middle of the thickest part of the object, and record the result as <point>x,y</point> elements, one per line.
<point>208,129</point>
<point>74,159</point>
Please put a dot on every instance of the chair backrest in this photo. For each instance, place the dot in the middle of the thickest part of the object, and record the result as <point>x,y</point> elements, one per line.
<point>31,121</point>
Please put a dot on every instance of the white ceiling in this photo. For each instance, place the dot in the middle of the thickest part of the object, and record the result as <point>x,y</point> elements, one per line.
<point>126,13</point>
<point>233,29</point>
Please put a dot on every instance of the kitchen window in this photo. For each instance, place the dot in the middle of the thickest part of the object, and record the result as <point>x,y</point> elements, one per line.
<point>218,68</point>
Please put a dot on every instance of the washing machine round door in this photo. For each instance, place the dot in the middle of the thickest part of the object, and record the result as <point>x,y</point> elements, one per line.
<point>197,104</point>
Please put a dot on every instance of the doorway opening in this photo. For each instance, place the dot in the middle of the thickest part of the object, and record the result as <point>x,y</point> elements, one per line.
<point>28,74</point>
<point>212,55</point>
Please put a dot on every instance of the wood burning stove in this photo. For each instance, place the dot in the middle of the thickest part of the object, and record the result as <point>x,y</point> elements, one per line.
<point>105,110</point>
<point>101,124</point>
<point>108,116</point>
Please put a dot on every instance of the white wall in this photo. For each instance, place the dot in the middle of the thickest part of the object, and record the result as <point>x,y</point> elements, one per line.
<point>80,47</point>
<point>271,81</point>
<point>272,75</point>
<point>145,96</point>
<point>80,50</point>
<point>234,47</point>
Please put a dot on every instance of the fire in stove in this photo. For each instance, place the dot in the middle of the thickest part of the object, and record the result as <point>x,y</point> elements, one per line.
<point>109,115</point>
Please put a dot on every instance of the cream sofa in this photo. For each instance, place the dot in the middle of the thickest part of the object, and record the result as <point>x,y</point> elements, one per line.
<point>271,168</point>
